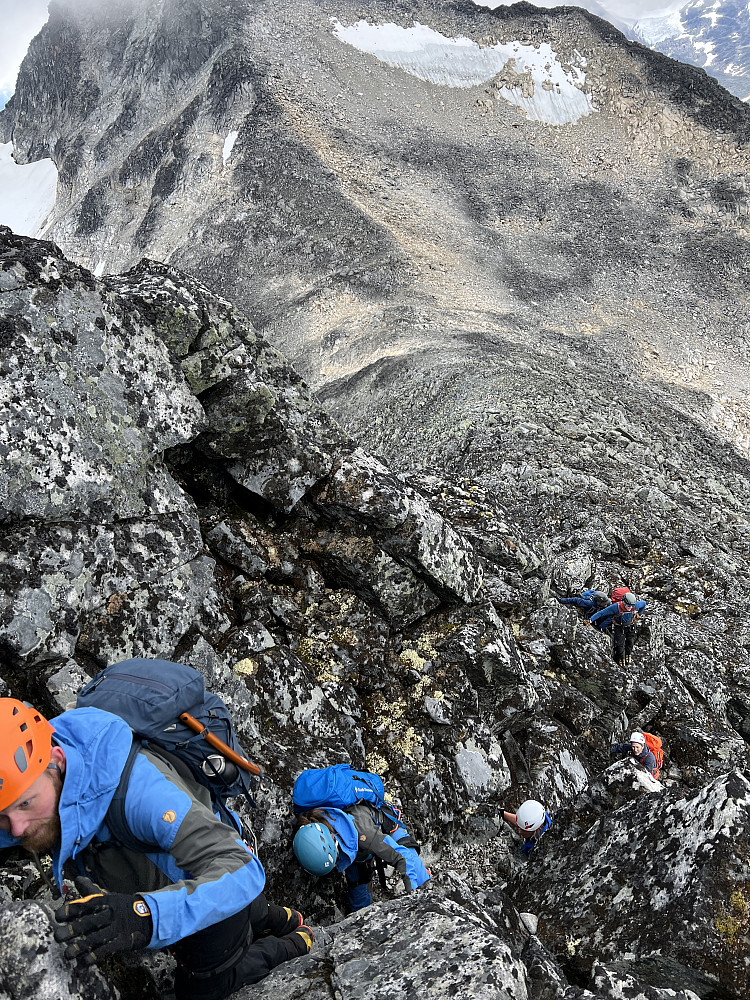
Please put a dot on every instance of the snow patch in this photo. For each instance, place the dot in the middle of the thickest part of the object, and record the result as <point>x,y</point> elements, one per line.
<point>651,30</point>
<point>229,146</point>
<point>707,48</point>
<point>551,91</point>
<point>27,193</point>
<point>99,269</point>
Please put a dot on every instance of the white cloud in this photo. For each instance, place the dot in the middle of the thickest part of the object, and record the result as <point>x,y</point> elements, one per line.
<point>21,20</point>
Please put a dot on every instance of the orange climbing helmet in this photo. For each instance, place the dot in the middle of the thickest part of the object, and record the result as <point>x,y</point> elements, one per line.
<point>25,748</point>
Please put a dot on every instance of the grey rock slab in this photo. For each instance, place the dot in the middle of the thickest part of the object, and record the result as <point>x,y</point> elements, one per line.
<point>54,576</point>
<point>362,488</point>
<point>91,397</point>
<point>442,949</point>
<point>679,863</point>
<point>32,966</point>
<point>152,620</point>
<point>610,984</point>
<point>237,545</point>
<point>360,563</point>
<point>263,424</point>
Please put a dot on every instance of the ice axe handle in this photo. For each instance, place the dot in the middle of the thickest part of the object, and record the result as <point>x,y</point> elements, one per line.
<point>218,744</point>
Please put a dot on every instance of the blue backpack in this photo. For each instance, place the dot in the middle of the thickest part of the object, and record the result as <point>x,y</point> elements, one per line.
<point>339,787</point>
<point>153,697</point>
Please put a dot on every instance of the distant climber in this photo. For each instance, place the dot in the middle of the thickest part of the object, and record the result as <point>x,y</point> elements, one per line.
<point>352,838</point>
<point>589,602</point>
<point>639,751</point>
<point>532,821</point>
<point>618,620</point>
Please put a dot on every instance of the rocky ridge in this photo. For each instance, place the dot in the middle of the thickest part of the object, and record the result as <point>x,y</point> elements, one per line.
<point>372,221</point>
<point>345,612</point>
<point>533,339</point>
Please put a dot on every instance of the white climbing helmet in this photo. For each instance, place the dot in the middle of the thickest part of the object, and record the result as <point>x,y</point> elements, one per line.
<point>530,815</point>
<point>638,738</point>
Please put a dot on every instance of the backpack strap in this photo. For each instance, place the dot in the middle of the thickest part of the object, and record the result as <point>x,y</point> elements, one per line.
<point>115,816</point>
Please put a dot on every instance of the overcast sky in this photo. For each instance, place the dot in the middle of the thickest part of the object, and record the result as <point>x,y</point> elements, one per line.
<point>22,19</point>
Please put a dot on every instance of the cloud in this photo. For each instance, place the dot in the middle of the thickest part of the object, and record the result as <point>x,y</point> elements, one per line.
<point>21,20</point>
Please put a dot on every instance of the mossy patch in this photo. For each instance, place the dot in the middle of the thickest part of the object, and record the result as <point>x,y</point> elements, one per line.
<point>733,920</point>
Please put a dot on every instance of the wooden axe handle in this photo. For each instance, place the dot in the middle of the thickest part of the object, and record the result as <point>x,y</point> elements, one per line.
<point>218,744</point>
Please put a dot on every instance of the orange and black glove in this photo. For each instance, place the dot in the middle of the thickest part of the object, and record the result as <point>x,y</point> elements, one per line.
<point>102,923</point>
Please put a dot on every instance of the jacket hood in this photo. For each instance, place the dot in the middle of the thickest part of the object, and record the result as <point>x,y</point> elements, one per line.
<point>347,836</point>
<point>96,746</point>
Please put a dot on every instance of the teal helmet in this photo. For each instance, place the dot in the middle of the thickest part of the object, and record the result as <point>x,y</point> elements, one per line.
<point>315,848</point>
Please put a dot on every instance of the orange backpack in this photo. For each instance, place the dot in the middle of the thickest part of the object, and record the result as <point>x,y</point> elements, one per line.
<point>654,745</point>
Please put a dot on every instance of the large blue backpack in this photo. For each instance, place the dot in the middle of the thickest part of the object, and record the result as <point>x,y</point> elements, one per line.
<point>151,695</point>
<point>339,787</point>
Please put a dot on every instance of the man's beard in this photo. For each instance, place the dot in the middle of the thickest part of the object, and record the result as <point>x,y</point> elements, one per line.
<point>43,837</point>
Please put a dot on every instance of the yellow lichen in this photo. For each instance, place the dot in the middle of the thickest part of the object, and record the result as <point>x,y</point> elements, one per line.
<point>732,924</point>
<point>738,903</point>
<point>729,927</point>
<point>411,658</point>
<point>246,667</point>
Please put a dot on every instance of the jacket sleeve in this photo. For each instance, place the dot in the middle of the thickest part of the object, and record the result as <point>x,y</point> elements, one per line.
<point>619,749</point>
<point>372,841</point>
<point>578,602</point>
<point>649,762</point>
<point>214,874</point>
<point>603,618</point>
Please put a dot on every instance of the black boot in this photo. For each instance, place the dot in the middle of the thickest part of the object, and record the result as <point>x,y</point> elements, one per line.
<point>299,942</point>
<point>282,920</point>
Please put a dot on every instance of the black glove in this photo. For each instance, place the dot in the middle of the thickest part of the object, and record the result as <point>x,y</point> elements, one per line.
<point>613,751</point>
<point>102,923</point>
<point>408,887</point>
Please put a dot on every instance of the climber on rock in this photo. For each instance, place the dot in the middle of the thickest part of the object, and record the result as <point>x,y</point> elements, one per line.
<point>196,886</point>
<point>639,751</point>
<point>351,841</point>
<point>589,602</point>
<point>532,821</point>
<point>618,620</point>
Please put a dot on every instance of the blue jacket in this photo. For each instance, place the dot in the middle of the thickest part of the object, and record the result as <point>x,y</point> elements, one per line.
<point>645,757</point>
<point>213,873</point>
<point>611,616</point>
<point>585,602</point>
<point>359,827</point>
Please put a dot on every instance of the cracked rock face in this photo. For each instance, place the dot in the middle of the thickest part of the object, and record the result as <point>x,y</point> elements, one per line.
<point>538,329</point>
<point>31,962</point>
<point>659,883</point>
<point>358,622</point>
